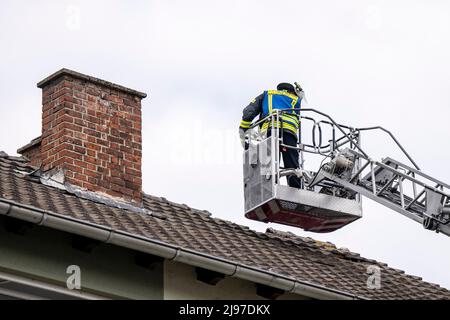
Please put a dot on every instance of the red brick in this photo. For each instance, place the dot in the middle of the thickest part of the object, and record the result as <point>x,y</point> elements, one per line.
<point>80,95</point>
<point>79,149</point>
<point>115,139</point>
<point>92,160</point>
<point>74,114</point>
<point>102,142</point>
<point>91,153</point>
<point>103,156</point>
<point>91,132</point>
<point>80,177</point>
<point>74,168</point>
<point>131,185</point>
<point>104,184</point>
<point>93,181</point>
<point>116,188</point>
<point>90,173</point>
<point>116,173</point>
<point>70,154</point>
<point>93,92</point>
<point>132,172</point>
<point>92,146</point>
<point>80,164</point>
<point>80,122</point>
<point>91,139</point>
<point>73,127</point>
<point>90,186</point>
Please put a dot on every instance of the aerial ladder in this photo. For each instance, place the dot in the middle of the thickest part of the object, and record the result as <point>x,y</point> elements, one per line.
<point>330,197</point>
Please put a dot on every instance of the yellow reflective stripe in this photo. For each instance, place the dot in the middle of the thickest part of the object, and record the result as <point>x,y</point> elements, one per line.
<point>289,127</point>
<point>285,126</point>
<point>270,102</point>
<point>245,124</point>
<point>285,122</point>
<point>291,118</point>
<point>291,115</point>
<point>287,94</point>
<point>294,102</point>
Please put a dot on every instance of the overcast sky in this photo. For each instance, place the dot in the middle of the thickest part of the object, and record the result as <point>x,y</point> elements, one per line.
<point>201,62</point>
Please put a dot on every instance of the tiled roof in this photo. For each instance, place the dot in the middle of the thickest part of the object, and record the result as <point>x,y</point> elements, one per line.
<point>303,259</point>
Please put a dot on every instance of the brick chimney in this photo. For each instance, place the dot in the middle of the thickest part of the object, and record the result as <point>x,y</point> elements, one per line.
<point>91,135</point>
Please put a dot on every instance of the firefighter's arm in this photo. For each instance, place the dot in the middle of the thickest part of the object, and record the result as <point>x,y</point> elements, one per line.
<point>250,112</point>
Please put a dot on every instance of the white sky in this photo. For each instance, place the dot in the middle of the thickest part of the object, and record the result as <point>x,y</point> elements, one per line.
<point>364,62</point>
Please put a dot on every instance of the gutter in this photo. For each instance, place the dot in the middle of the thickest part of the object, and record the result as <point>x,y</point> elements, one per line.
<point>154,247</point>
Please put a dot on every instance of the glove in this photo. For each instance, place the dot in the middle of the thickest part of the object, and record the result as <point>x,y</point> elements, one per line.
<point>299,91</point>
<point>242,136</point>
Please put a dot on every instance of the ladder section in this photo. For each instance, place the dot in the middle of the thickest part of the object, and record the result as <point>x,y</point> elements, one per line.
<point>399,187</point>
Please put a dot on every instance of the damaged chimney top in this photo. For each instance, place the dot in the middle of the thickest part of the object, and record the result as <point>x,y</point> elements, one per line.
<point>91,135</point>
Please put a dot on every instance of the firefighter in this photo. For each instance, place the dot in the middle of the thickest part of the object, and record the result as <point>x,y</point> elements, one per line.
<point>285,97</point>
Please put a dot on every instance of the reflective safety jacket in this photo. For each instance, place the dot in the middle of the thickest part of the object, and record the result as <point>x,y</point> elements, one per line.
<point>266,103</point>
<point>280,100</point>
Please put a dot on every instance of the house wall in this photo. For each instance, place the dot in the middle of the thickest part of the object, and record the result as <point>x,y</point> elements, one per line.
<point>180,282</point>
<point>109,271</point>
<point>44,254</point>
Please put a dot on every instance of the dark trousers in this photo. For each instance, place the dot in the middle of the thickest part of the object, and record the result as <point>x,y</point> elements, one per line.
<point>290,156</point>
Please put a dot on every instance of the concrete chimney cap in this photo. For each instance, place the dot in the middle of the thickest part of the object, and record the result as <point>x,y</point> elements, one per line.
<point>81,76</point>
